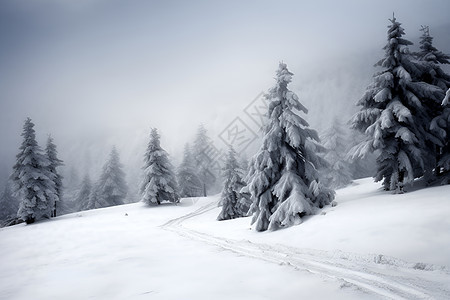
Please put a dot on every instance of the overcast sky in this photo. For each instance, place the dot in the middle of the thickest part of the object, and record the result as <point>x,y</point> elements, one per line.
<point>102,72</point>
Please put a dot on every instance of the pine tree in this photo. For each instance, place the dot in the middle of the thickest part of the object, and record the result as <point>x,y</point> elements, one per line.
<point>71,183</point>
<point>33,182</point>
<point>234,202</point>
<point>8,204</point>
<point>337,175</point>
<point>243,205</point>
<point>55,162</point>
<point>82,198</point>
<point>392,115</point>
<point>283,180</point>
<point>204,158</point>
<point>360,167</point>
<point>441,125</point>
<point>159,183</point>
<point>432,58</point>
<point>111,189</point>
<point>95,200</point>
<point>189,183</point>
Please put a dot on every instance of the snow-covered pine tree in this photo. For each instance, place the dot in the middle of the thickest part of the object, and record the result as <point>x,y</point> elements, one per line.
<point>55,162</point>
<point>82,198</point>
<point>432,58</point>
<point>159,183</point>
<point>441,125</point>
<point>71,183</point>
<point>243,205</point>
<point>95,200</point>
<point>33,182</point>
<point>392,115</point>
<point>202,154</point>
<point>233,201</point>
<point>283,180</point>
<point>8,204</point>
<point>188,181</point>
<point>335,141</point>
<point>111,189</point>
<point>360,167</point>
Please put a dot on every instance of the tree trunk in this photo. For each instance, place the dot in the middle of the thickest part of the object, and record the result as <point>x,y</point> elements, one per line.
<point>29,220</point>
<point>401,177</point>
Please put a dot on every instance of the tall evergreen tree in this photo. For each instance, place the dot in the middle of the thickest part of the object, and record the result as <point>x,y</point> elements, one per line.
<point>8,204</point>
<point>441,125</point>
<point>188,181</point>
<point>393,117</point>
<point>33,182</point>
<point>338,174</point>
<point>235,204</point>
<point>283,180</point>
<point>159,183</point>
<point>204,158</point>
<point>82,198</point>
<point>55,162</point>
<point>111,189</point>
<point>432,58</point>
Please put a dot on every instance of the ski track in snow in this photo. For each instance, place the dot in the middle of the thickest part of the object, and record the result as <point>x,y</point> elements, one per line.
<point>383,276</point>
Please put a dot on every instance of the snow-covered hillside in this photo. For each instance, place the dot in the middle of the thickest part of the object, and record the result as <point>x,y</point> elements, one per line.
<point>372,245</point>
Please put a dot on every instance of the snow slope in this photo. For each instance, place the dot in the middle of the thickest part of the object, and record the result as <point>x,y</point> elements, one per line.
<point>181,252</point>
<point>414,226</point>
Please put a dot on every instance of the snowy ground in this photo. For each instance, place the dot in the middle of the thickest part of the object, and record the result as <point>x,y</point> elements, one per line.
<point>372,245</point>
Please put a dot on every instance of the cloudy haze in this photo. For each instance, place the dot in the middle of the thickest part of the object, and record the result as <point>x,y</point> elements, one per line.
<point>101,73</point>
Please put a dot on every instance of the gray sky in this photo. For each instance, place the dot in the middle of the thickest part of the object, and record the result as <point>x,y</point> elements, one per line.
<point>102,72</point>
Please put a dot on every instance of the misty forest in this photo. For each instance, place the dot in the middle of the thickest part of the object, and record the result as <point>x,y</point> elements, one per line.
<point>217,151</point>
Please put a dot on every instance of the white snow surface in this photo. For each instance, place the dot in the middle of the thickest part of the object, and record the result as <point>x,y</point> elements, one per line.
<point>372,245</point>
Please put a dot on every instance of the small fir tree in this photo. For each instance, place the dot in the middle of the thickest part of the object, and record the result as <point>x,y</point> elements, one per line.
<point>111,189</point>
<point>203,152</point>
<point>234,202</point>
<point>95,200</point>
<point>188,181</point>
<point>335,142</point>
<point>243,205</point>
<point>82,198</point>
<point>432,58</point>
<point>8,204</point>
<point>159,183</point>
<point>55,162</point>
<point>33,182</point>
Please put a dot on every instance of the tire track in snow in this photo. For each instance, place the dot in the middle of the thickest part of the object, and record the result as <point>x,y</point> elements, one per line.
<point>384,276</point>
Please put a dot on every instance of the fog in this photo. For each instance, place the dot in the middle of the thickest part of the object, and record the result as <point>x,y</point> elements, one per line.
<point>99,73</point>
